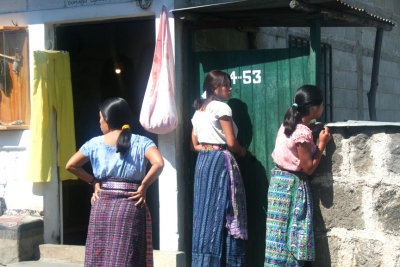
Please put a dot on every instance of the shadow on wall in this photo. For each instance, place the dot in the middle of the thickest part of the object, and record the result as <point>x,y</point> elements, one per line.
<point>322,190</point>
<point>13,138</point>
<point>256,185</point>
<point>3,206</point>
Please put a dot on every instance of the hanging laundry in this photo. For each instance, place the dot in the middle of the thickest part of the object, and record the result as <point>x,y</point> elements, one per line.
<point>158,114</point>
<point>51,93</point>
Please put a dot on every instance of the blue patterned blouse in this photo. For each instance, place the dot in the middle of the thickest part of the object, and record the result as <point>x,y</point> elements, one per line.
<point>107,163</point>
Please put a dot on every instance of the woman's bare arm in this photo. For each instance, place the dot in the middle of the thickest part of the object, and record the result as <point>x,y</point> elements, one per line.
<point>308,162</point>
<point>157,165</point>
<point>194,145</point>
<point>231,141</point>
<point>74,165</point>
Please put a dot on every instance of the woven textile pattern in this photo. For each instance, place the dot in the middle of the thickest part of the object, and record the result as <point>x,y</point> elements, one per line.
<point>289,230</point>
<point>236,217</point>
<point>114,184</point>
<point>211,246</point>
<point>119,233</point>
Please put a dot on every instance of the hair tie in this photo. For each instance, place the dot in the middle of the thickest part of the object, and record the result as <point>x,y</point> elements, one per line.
<point>295,105</point>
<point>125,126</point>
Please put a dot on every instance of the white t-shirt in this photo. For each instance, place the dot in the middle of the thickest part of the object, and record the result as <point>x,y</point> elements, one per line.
<point>206,125</point>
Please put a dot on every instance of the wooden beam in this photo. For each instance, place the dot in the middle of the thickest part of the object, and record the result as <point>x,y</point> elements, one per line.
<point>315,51</point>
<point>13,28</point>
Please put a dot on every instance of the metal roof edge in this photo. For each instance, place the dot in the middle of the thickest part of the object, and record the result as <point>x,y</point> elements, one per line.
<point>343,2</point>
<point>354,123</point>
<point>336,11</point>
<point>205,6</point>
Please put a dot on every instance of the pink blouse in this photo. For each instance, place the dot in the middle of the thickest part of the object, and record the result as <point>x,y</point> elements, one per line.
<point>285,152</point>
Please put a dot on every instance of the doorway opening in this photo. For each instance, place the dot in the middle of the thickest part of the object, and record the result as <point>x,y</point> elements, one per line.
<point>108,59</point>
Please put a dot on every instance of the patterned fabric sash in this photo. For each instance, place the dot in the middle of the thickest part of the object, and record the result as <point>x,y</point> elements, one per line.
<point>236,216</point>
<point>215,147</point>
<point>212,245</point>
<point>119,184</point>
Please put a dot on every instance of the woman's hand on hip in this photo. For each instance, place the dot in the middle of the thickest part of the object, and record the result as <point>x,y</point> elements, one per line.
<point>140,196</point>
<point>95,195</point>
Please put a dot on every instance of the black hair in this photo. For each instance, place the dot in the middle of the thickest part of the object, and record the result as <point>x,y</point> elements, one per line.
<point>116,113</point>
<point>305,97</point>
<point>316,128</point>
<point>213,80</point>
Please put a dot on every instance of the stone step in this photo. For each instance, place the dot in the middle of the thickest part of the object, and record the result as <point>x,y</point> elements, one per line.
<point>20,236</point>
<point>52,255</point>
<point>68,253</point>
<point>40,263</point>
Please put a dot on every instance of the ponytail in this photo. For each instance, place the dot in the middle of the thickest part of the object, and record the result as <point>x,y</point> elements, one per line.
<point>116,113</point>
<point>124,139</point>
<point>305,97</point>
<point>291,119</point>
<point>199,102</point>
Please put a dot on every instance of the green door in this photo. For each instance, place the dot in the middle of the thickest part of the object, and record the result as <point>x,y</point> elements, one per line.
<point>263,85</point>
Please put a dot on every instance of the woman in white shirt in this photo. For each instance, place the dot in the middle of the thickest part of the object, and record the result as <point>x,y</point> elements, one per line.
<point>219,201</point>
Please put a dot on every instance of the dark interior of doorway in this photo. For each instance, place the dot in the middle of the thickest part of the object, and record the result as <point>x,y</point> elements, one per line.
<point>96,51</point>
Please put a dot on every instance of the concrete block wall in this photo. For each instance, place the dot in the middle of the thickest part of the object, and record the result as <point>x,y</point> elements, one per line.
<point>356,193</point>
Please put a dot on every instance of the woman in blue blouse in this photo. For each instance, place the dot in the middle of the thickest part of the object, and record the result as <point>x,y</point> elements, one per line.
<point>119,232</point>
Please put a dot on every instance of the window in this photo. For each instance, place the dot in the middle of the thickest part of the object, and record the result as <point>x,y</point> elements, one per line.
<point>326,73</point>
<point>14,78</point>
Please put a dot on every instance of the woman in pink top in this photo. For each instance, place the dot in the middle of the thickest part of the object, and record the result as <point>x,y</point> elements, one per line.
<point>289,231</point>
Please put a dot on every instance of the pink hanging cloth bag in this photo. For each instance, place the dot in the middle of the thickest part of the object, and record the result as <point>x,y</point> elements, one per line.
<point>158,114</point>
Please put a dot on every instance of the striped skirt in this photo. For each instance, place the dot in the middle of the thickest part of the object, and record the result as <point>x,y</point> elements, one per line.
<point>119,233</point>
<point>212,246</point>
<point>289,231</point>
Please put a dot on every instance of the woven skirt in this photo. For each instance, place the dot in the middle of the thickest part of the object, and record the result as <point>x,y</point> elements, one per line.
<point>289,230</point>
<point>119,233</point>
<point>212,246</point>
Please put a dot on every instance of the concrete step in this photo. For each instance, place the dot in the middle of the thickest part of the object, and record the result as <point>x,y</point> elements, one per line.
<point>76,254</point>
<point>40,263</point>
<point>52,255</point>
<point>63,253</point>
<point>20,236</point>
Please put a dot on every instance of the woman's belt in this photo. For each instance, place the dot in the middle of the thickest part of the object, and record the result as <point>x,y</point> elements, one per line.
<point>214,147</point>
<point>119,184</point>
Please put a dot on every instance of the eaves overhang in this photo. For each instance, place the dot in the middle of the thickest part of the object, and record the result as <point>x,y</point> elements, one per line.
<point>279,13</point>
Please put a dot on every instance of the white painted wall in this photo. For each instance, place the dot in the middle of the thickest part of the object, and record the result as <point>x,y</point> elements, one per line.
<point>16,192</point>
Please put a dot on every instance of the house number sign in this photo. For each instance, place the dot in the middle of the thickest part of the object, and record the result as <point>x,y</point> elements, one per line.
<point>247,76</point>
